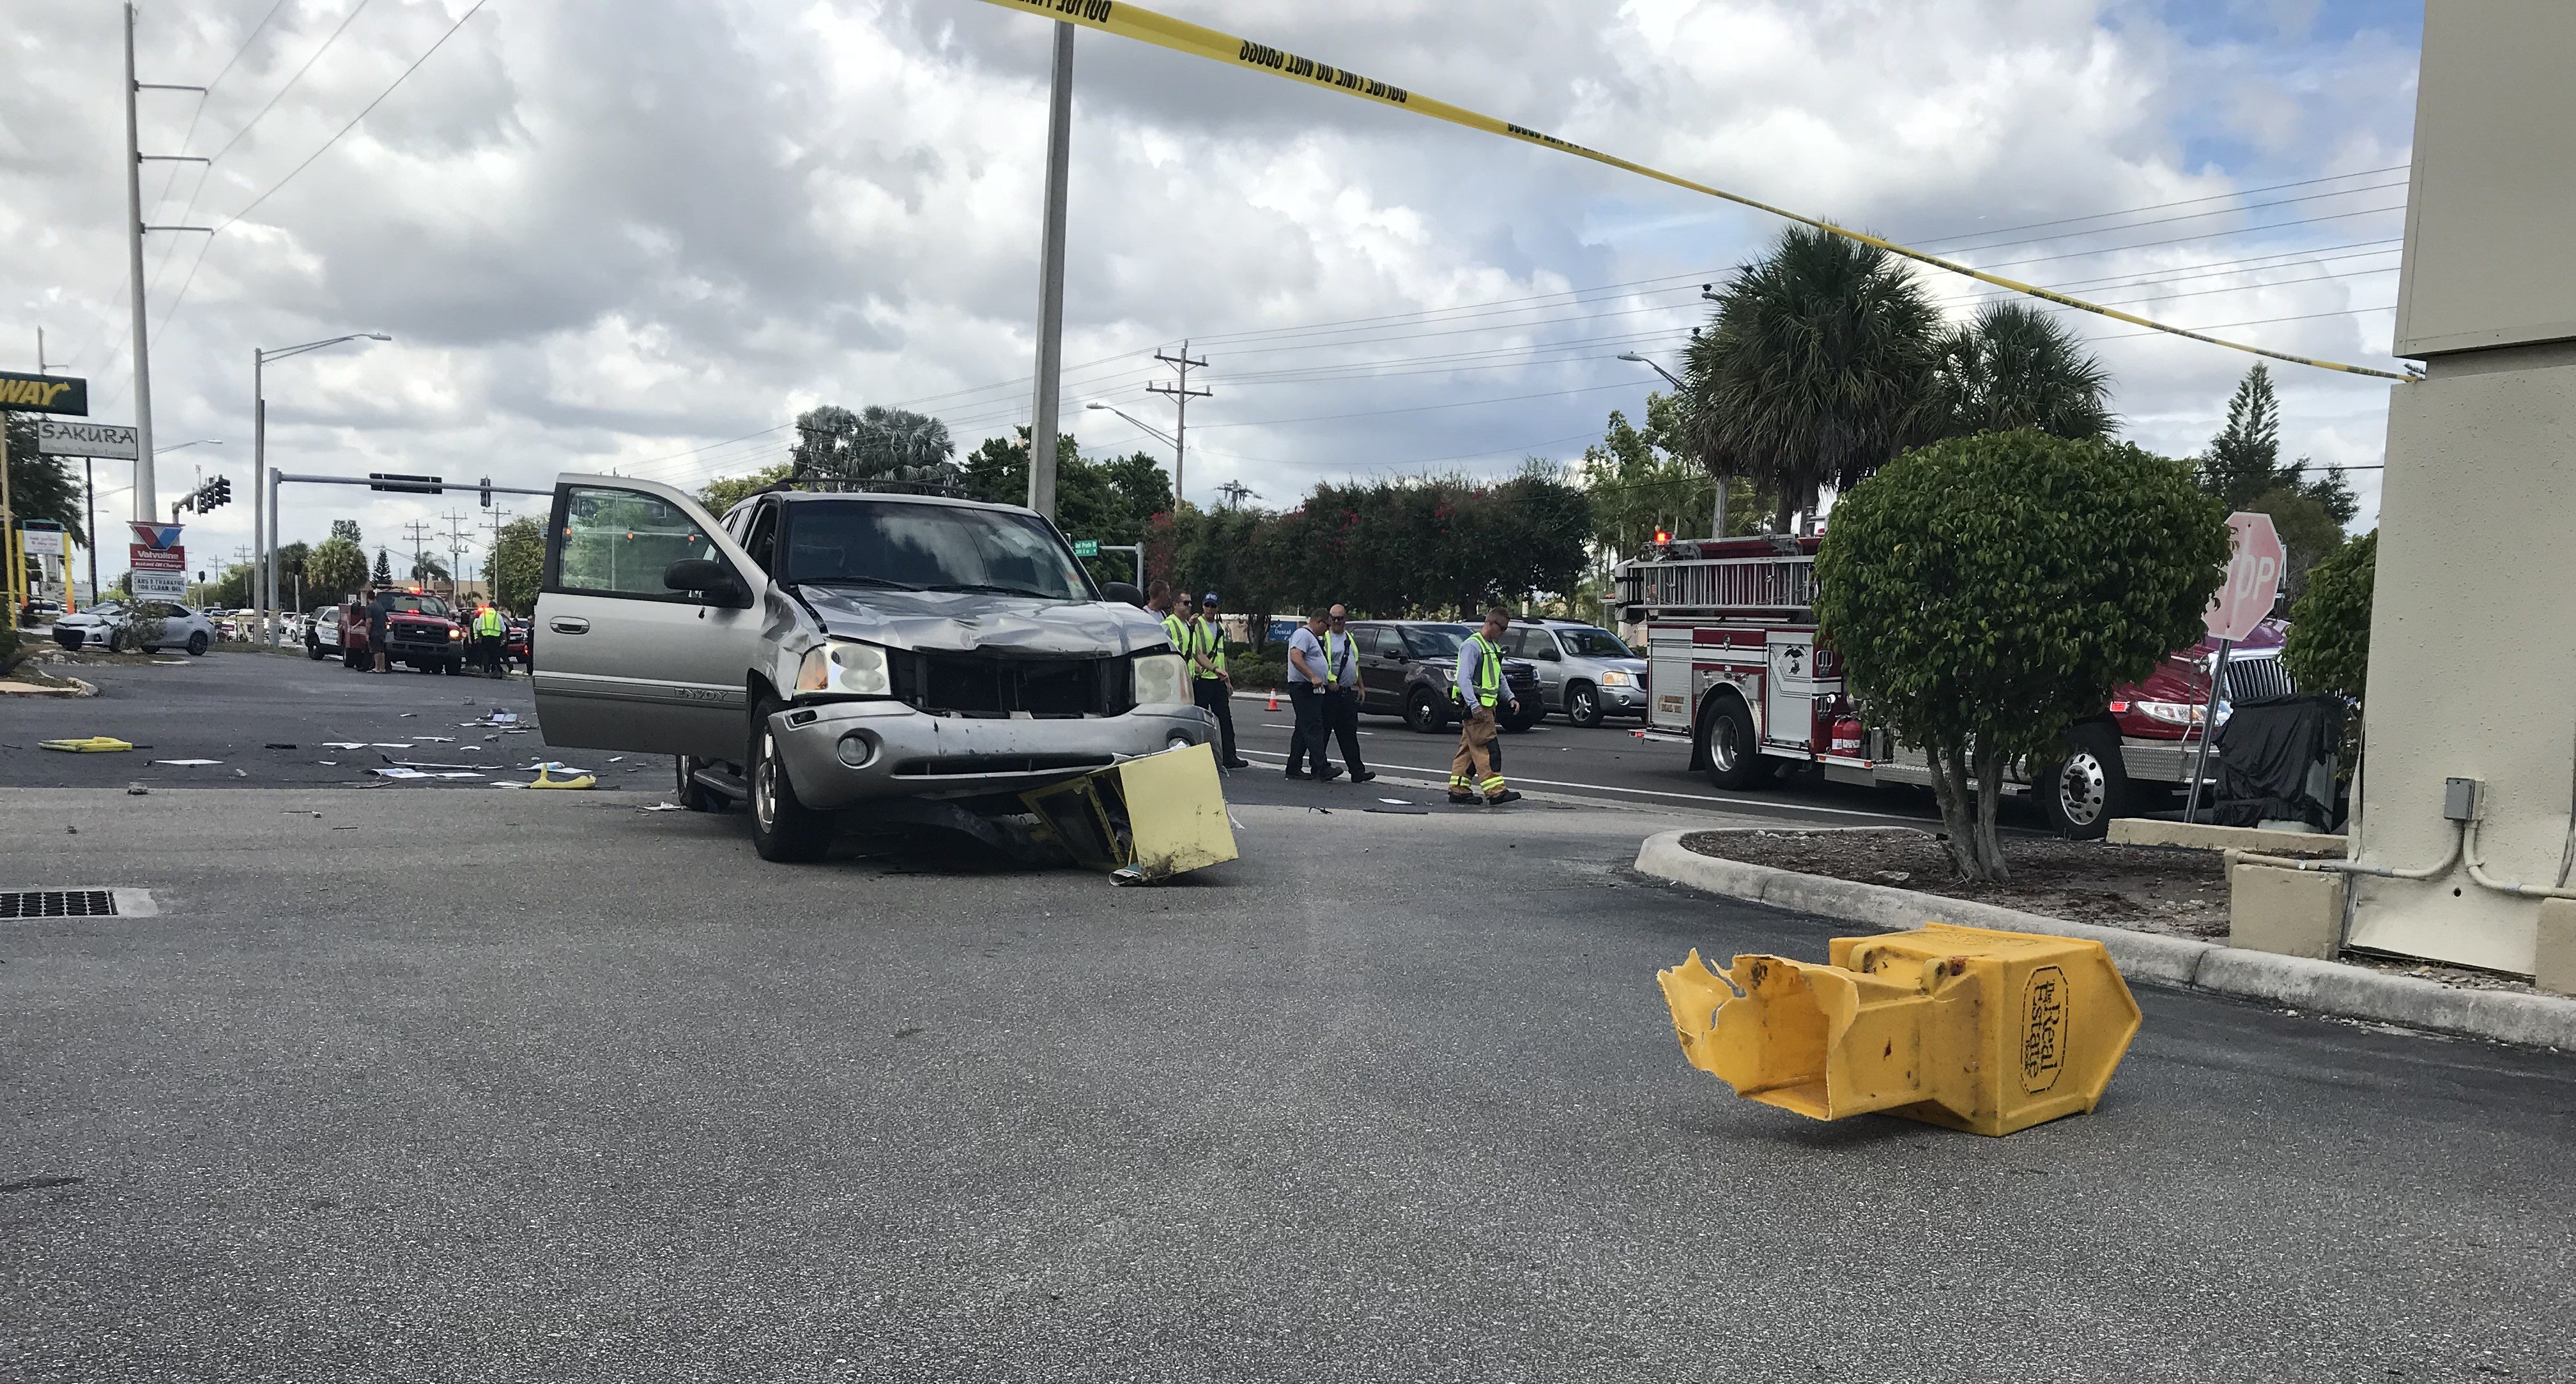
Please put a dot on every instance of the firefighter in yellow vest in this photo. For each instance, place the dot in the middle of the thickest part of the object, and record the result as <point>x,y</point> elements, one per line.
<point>488,630</point>
<point>1210,685</point>
<point>1479,765</point>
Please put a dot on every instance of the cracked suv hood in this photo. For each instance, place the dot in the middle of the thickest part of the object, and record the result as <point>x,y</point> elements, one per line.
<point>979,621</point>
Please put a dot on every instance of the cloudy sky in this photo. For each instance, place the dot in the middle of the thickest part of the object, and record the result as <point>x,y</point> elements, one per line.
<point>643,234</point>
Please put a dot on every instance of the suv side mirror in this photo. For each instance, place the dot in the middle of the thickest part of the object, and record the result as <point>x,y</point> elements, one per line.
<point>707,575</point>
<point>1122,591</point>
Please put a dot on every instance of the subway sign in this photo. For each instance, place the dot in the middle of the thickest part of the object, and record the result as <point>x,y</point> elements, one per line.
<point>43,394</point>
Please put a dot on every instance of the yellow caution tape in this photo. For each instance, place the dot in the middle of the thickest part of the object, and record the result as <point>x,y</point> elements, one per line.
<point>1163,31</point>
<point>96,744</point>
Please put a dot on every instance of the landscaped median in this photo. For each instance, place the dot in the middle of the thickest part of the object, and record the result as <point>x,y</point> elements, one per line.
<point>2155,957</point>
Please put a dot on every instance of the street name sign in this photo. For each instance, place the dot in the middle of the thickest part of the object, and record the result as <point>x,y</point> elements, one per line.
<point>2253,578</point>
<point>1086,547</point>
<point>56,438</point>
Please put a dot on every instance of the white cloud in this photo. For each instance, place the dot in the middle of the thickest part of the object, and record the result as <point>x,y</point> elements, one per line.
<point>615,234</point>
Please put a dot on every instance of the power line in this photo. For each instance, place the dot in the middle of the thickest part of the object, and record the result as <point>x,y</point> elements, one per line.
<point>311,58</point>
<point>1955,237</point>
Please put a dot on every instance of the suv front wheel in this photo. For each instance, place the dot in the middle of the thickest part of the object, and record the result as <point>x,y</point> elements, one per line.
<point>1424,713</point>
<point>783,829</point>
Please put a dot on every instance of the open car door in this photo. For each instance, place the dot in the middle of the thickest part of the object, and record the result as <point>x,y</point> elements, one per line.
<point>623,661</point>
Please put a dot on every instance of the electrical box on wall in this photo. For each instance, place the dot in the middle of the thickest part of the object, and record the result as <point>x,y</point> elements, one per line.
<point>2462,798</point>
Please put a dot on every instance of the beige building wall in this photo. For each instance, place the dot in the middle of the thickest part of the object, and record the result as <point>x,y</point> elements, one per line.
<point>2473,648</point>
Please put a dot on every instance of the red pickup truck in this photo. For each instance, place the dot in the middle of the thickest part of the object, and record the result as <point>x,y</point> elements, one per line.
<point>421,631</point>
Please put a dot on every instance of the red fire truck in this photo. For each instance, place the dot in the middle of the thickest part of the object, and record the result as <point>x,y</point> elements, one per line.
<point>1736,671</point>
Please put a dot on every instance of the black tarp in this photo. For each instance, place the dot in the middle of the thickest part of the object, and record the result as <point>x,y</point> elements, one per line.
<point>2276,762</point>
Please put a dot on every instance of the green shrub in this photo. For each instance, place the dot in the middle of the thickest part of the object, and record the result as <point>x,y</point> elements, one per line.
<point>2329,645</point>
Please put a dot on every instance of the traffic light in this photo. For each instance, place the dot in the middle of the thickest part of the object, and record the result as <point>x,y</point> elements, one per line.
<point>487,492</point>
<point>414,485</point>
<point>219,492</point>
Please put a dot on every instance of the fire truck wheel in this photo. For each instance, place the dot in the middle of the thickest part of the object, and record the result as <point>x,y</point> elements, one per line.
<point>1733,762</point>
<point>2080,794</point>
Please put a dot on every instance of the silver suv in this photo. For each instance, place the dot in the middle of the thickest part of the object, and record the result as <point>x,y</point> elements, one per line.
<point>1583,670</point>
<point>819,652</point>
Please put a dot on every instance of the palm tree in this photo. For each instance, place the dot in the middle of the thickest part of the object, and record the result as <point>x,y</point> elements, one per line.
<point>2017,367</point>
<point>1819,367</point>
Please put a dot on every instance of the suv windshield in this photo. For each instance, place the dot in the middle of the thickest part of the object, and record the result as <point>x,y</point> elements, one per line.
<point>926,547</point>
<point>1592,643</point>
<point>1435,641</point>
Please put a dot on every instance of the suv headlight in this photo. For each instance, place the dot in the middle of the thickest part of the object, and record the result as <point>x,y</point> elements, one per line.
<point>1614,678</point>
<point>845,665</point>
<point>1161,680</point>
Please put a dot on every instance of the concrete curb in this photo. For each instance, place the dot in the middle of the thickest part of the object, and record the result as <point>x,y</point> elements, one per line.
<point>2325,987</point>
<point>78,688</point>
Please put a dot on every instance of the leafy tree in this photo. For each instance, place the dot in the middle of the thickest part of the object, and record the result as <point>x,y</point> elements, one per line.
<point>875,444</point>
<point>348,529</point>
<point>2329,645</point>
<point>41,487</point>
<point>425,566</point>
<point>2016,366</point>
<point>1639,482</point>
<point>2243,462</point>
<point>1818,368</point>
<point>722,495</point>
<point>517,565</point>
<point>1112,501</point>
<point>335,569</point>
<point>2309,532</point>
<point>1985,592</point>
<point>291,560</point>
<point>384,573</point>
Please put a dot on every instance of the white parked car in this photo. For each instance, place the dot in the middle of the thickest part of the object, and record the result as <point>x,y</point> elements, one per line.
<point>110,626</point>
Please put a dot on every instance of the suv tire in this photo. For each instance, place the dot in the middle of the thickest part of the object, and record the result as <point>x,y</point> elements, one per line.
<point>197,644</point>
<point>783,829</point>
<point>1425,712</point>
<point>695,796</point>
<point>1734,757</point>
<point>1583,705</point>
<point>2079,795</point>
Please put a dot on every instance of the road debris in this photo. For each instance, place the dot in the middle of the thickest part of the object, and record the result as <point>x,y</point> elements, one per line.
<point>187,763</point>
<point>95,744</point>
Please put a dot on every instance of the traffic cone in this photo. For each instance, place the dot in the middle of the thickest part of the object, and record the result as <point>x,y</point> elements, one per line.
<point>1274,699</point>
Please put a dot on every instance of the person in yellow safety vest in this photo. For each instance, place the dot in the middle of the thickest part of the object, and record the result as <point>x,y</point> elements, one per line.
<point>1342,692</point>
<point>1210,686</point>
<point>488,629</point>
<point>1479,765</point>
<point>1158,599</point>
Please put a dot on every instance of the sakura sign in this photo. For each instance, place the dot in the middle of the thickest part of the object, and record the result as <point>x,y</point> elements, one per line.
<point>2253,578</point>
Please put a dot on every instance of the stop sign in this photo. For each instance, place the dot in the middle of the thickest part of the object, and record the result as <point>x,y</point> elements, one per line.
<point>2253,578</point>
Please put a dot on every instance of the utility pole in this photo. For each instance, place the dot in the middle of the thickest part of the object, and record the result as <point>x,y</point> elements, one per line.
<point>417,531</point>
<point>457,524</point>
<point>146,499</point>
<point>1180,394</point>
<point>493,519</point>
<point>1236,492</point>
<point>1042,418</point>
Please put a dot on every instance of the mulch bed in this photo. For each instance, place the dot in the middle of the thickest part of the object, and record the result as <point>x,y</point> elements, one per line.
<point>2178,893</point>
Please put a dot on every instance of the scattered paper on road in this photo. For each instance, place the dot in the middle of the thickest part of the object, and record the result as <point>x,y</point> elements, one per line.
<point>1397,801</point>
<point>398,772</point>
<point>664,807</point>
<point>187,763</point>
<point>344,744</point>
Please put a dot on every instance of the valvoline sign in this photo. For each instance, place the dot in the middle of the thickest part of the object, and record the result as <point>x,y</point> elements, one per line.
<point>158,538</point>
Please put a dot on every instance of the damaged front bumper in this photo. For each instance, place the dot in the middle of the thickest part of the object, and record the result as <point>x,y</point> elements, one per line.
<point>841,754</point>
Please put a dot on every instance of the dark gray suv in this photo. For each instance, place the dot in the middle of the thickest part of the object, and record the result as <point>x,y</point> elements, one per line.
<point>1409,668</point>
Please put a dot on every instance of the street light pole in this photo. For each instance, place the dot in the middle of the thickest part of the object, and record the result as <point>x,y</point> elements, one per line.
<point>1042,418</point>
<point>1717,514</point>
<point>146,499</point>
<point>263,518</point>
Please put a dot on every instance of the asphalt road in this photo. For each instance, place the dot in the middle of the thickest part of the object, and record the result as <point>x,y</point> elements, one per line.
<point>1605,764</point>
<point>234,707</point>
<point>474,1086</point>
